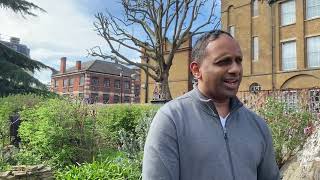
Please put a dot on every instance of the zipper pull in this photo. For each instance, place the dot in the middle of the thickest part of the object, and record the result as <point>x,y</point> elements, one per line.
<point>225,133</point>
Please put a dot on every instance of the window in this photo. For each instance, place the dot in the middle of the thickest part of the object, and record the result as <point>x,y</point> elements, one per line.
<point>94,81</point>
<point>232,30</point>
<point>312,9</point>
<point>255,48</point>
<point>94,97</point>
<point>117,84</point>
<point>126,99</point>
<point>106,98</point>
<point>65,82</point>
<point>313,51</point>
<point>291,99</point>
<point>71,82</point>
<point>127,85</point>
<point>255,88</point>
<point>80,95</point>
<point>81,81</point>
<point>289,60</point>
<point>288,12</point>
<point>116,99</point>
<point>136,90</point>
<point>55,83</point>
<point>106,83</point>
<point>255,8</point>
<point>314,105</point>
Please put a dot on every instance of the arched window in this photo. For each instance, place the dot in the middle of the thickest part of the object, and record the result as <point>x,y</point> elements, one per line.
<point>255,88</point>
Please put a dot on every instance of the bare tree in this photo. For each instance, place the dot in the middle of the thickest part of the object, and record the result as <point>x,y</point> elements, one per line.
<point>158,22</point>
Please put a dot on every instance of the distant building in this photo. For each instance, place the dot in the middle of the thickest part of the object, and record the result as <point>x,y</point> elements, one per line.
<point>14,43</point>
<point>97,82</point>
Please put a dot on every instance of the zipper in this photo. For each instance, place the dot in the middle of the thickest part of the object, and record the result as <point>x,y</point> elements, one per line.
<point>225,134</point>
<point>226,140</point>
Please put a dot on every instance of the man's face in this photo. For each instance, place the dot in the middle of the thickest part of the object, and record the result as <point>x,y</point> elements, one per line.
<point>220,72</point>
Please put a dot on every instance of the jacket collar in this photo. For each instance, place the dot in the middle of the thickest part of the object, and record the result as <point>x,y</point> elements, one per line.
<point>208,104</point>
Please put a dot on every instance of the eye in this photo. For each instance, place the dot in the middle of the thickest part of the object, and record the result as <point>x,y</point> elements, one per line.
<point>239,60</point>
<point>224,62</point>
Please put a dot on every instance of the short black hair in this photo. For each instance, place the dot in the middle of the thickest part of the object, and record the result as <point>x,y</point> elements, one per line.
<point>199,49</point>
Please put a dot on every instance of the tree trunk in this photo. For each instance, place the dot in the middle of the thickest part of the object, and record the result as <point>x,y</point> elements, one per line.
<point>164,89</point>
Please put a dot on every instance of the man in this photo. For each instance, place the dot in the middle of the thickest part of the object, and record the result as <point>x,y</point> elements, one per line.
<point>207,134</point>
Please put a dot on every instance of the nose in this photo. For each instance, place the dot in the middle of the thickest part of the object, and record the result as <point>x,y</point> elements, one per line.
<point>235,68</point>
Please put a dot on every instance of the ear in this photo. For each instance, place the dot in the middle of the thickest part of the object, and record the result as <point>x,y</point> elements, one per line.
<point>195,69</point>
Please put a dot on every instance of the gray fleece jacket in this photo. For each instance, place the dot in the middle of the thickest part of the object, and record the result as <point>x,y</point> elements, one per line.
<point>186,141</point>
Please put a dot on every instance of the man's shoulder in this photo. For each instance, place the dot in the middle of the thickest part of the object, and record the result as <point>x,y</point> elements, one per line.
<point>250,112</point>
<point>177,104</point>
<point>258,120</point>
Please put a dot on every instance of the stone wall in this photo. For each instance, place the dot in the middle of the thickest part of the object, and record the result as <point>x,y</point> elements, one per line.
<point>37,172</point>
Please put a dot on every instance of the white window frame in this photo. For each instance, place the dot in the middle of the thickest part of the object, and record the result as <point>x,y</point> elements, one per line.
<point>287,57</point>
<point>314,103</point>
<point>71,81</point>
<point>290,97</point>
<point>126,84</point>
<point>255,8</point>
<point>312,8</point>
<point>65,82</point>
<point>81,80</point>
<point>117,84</point>
<point>255,48</point>
<point>94,81</point>
<point>232,30</point>
<point>106,82</point>
<point>313,53</point>
<point>285,10</point>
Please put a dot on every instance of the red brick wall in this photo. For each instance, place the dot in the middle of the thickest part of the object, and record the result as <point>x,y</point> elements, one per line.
<point>100,88</point>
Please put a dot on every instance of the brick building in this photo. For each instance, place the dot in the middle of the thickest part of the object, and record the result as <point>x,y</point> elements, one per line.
<point>280,40</point>
<point>97,81</point>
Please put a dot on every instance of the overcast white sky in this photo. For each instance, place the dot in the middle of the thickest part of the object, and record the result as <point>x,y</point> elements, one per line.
<point>65,30</point>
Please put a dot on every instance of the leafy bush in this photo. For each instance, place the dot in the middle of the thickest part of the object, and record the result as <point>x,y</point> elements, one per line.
<point>133,143</point>
<point>115,120</point>
<point>57,132</point>
<point>118,169</point>
<point>287,127</point>
<point>9,107</point>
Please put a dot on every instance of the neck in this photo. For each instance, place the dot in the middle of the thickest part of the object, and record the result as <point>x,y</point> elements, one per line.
<point>223,108</point>
<point>222,105</point>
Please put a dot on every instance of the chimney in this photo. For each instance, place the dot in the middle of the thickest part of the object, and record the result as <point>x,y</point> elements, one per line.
<point>78,65</point>
<point>63,61</point>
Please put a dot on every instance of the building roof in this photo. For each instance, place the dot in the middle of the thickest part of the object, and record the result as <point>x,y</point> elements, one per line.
<point>100,66</point>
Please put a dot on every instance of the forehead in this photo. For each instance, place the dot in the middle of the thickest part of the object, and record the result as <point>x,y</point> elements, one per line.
<point>223,45</point>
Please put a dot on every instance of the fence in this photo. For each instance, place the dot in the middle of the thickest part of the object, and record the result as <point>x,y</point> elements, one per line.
<point>308,99</point>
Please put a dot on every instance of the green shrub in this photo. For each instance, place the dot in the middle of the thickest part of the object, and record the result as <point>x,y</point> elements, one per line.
<point>119,168</point>
<point>287,126</point>
<point>133,143</point>
<point>114,120</point>
<point>57,132</point>
<point>11,106</point>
